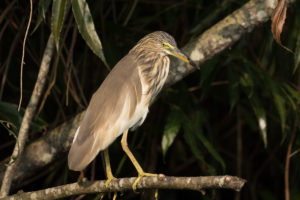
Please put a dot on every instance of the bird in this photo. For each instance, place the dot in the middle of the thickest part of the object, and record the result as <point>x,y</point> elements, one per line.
<point>122,101</point>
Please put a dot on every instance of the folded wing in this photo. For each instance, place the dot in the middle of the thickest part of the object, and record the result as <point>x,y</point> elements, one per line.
<point>115,107</point>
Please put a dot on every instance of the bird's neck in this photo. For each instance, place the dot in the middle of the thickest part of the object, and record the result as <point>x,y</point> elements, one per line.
<point>153,70</point>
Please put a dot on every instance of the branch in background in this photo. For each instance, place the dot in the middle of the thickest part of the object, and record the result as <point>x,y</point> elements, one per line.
<point>50,147</point>
<point>45,150</point>
<point>222,35</point>
<point>125,184</point>
<point>29,113</point>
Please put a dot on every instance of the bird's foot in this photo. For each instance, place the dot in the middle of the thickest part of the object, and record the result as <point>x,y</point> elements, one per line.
<point>107,182</point>
<point>109,179</point>
<point>141,174</point>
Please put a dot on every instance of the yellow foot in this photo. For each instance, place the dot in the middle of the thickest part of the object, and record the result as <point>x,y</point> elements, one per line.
<point>142,174</point>
<point>109,179</point>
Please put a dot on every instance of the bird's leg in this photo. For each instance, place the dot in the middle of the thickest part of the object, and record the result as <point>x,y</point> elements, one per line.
<point>137,166</point>
<point>81,177</point>
<point>109,174</point>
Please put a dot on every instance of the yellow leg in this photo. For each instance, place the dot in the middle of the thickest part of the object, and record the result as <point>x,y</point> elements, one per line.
<point>81,176</point>
<point>137,166</point>
<point>109,174</point>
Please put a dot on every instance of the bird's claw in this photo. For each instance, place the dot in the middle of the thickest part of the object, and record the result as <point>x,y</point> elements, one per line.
<point>142,174</point>
<point>109,179</point>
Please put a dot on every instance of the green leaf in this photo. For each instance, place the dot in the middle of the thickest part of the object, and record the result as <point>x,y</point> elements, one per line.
<point>57,20</point>
<point>291,101</point>
<point>208,73</point>
<point>171,130</point>
<point>42,8</point>
<point>247,82</point>
<point>292,91</point>
<point>10,127</point>
<point>11,119</point>
<point>260,114</point>
<point>9,112</point>
<point>192,140</point>
<point>279,102</point>
<point>86,28</point>
<point>297,53</point>
<point>211,149</point>
<point>199,120</point>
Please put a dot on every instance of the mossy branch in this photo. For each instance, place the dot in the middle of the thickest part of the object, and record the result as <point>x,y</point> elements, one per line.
<point>124,184</point>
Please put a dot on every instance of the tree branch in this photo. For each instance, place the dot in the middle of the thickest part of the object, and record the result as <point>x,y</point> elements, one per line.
<point>29,113</point>
<point>124,184</point>
<point>222,35</point>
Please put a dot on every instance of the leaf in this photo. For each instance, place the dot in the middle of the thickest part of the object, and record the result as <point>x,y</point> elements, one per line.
<point>171,130</point>
<point>260,114</point>
<point>279,102</point>
<point>199,118</point>
<point>208,73</point>
<point>291,101</point>
<point>190,138</point>
<point>292,91</point>
<point>278,20</point>
<point>9,112</point>
<point>297,53</point>
<point>12,118</point>
<point>58,14</point>
<point>10,127</point>
<point>280,105</point>
<point>86,28</point>
<point>42,8</point>
<point>247,82</point>
<point>192,141</point>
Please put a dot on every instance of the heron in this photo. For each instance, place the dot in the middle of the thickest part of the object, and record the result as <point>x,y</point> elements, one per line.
<point>122,101</point>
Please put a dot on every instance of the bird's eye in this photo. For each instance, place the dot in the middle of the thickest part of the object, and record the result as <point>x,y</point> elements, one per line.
<point>167,45</point>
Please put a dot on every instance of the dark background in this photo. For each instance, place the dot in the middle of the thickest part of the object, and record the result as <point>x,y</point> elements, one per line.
<point>212,110</point>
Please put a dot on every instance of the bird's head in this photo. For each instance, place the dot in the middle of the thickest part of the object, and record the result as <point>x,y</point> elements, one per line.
<point>169,46</point>
<point>160,42</point>
<point>173,50</point>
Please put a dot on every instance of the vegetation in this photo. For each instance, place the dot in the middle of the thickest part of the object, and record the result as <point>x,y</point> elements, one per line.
<point>238,115</point>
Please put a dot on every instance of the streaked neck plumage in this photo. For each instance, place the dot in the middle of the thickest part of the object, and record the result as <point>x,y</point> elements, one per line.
<point>153,69</point>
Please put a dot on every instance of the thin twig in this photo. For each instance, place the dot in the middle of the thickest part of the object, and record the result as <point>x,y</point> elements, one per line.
<point>130,12</point>
<point>6,11</point>
<point>239,148</point>
<point>9,58</point>
<point>69,65</point>
<point>55,65</point>
<point>23,55</point>
<point>30,110</point>
<point>287,161</point>
<point>125,184</point>
<point>294,153</point>
<point>289,153</point>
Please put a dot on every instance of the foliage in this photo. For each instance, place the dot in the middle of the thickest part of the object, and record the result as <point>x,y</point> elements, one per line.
<point>244,101</point>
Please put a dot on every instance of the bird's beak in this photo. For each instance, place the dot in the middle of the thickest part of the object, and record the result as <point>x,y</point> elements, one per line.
<point>178,54</point>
